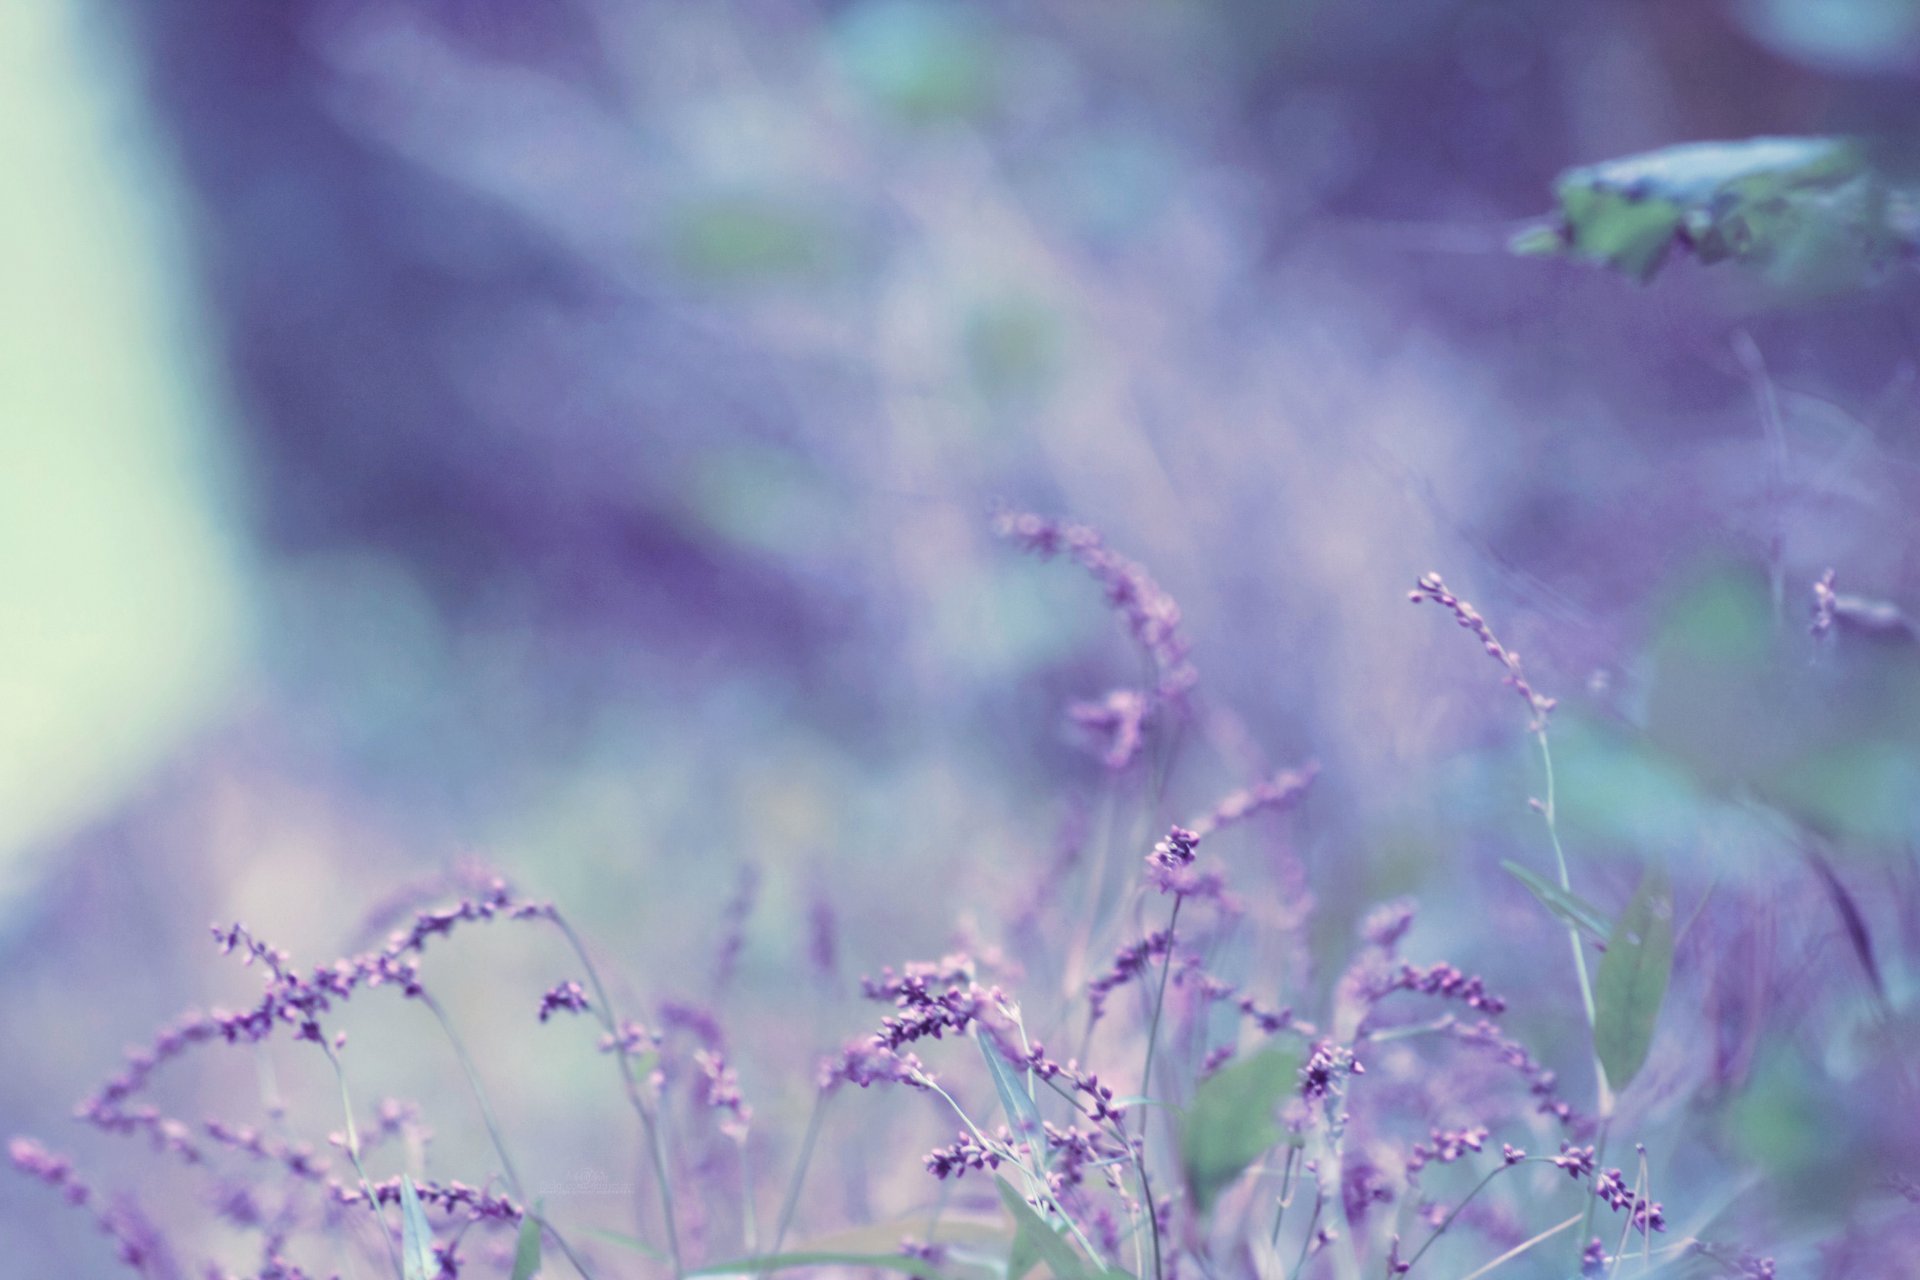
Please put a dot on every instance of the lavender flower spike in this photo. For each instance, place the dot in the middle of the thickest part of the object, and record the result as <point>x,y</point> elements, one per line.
<point>1431,587</point>
<point>1151,614</point>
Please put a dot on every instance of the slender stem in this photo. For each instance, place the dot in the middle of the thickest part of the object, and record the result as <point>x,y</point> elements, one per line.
<point>353,1154</point>
<point>1626,1228</point>
<point>1036,1185</point>
<point>1159,1003</point>
<point>487,1117</point>
<point>792,1202</point>
<point>750,1218</point>
<point>1521,1248</point>
<point>1550,813</point>
<point>1139,1171</point>
<point>1319,1201</point>
<point>1593,1197</point>
<point>649,1123</point>
<point>1478,1188</point>
<point>492,1124</point>
<point>1285,1198</point>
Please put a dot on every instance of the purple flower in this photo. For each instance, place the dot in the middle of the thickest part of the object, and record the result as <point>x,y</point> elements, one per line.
<point>568,997</point>
<point>1278,794</point>
<point>1150,613</point>
<point>1325,1072</point>
<point>867,1062</point>
<point>1116,722</point>
<point>1431,587</point>
<point>1127,965</point>
<point>719,1088</point>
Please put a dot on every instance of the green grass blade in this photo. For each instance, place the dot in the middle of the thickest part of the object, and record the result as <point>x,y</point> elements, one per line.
<point>526,1253</point>
<point>1022,1114</point>
<point>1570,908</point>
<point>416,1237</point>
<point>779,1261</point>
<point>1040,1238</point>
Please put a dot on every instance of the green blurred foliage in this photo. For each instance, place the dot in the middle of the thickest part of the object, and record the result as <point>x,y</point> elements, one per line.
<point>918,60</point>
<point>750,237</point>
<point>1738,700</point>
<point>1810,213</point>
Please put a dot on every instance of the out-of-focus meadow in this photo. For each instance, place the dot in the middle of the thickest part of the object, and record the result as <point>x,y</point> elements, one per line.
<point>565,437</point>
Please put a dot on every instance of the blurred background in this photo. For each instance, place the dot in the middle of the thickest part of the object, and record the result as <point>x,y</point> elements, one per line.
<point>564,437</point>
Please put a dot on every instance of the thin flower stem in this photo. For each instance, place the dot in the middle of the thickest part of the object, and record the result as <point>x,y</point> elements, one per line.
<point>1319,1201</point>
<point>1139,1171</point>
<point>1593,1198</point>
<point>1036,1184</point>
<point>1626,1227</point>
<point>1549,811</point>
<point>1285,1199</point>
<point>492,1124</point>
<point>649,1123</point>
<point>792,1201</point>
<point>353,1154</point>
<point>1602,1087</point>
<point>1521,1248</point>
<point>1478,1188</point>
<point>1159,1003</point>
<point>487,1117</point>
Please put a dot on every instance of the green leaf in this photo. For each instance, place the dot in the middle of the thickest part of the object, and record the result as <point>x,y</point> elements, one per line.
<point>416,1237</point>
<point>1808,209</point>
<point>1034,1240</point>
<point>1022,1114</point>
<point>1570,908</point>
<point>526,1253</point>
<point>781,1261</point>
<point>1231,1122</point>
<point>1632,982</point>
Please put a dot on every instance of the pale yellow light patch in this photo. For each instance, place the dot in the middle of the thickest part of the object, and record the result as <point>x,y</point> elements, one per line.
<point>120,597</point>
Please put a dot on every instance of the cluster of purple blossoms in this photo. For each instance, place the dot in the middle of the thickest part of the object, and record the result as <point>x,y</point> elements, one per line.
<point>1445,982</point>
<point>924,1013</point>
<point>968,1152</point>
<point>1326,1069</point>
<point>632,1040</point>
<point>475,1204</point>
<point>1151,614</point>
<point>138,1243</point>
<point>1611,1187</point>
<point>866,1063</point>
<point>1099,1106</point>
<point>1541,1082</point>
<point>1117,723</point>
<point>1216,990</point>
<point>297,1159</point>
<point>1387,924</point>
<point>719,1088</point>
<point>1176,852</point>
<point>1128,963</point>
<point>1171,870</point>
<point>1431,587</point>
<point>1646,1215</point>
<point>1577,1161</point>
<point>567,997</point>
<point>291,999</point>
<point>1278,794</point>
<point>1444,1146</point>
